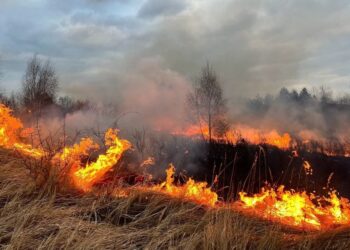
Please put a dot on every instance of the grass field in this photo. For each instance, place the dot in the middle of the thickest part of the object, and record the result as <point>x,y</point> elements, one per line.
<point>33,218</point>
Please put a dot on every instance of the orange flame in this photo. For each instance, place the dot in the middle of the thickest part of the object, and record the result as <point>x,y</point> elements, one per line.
<point>307,168</point>
<point>256,136</point>
<point>71,156</point>
<point>11,130</point>
<point>272,137</point>
<point>289,207</point>
<point>251,135</point>
<point>191,190</point>
<point>298,208</point>
<point>84,178</point>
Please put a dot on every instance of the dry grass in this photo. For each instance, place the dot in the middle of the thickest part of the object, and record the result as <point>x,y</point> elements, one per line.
<point>32,219</point>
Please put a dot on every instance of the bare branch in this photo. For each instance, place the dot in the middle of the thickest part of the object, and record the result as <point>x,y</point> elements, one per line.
<point>206,102</point>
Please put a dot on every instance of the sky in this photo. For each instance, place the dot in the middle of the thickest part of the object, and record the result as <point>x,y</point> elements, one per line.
<point>136,50</point>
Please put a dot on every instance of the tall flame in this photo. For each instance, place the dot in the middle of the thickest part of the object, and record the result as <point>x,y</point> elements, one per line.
<point>93,172</point>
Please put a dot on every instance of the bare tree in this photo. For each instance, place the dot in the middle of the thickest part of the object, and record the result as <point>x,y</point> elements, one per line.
<point>69,105</point>
<point>206,102</point>
<point>40,84</point>
<point>325,95</point>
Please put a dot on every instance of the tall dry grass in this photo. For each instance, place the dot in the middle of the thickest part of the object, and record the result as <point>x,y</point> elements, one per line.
<point>33,218</point>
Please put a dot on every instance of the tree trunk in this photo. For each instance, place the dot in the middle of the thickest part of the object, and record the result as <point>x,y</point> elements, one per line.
<point>209,127</point>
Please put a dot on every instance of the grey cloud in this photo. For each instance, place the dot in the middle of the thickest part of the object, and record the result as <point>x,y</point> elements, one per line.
<point>154,8</point>
<point>256,47</point>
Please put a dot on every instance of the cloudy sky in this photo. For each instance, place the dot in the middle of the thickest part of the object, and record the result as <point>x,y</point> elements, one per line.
<point>150,48</point>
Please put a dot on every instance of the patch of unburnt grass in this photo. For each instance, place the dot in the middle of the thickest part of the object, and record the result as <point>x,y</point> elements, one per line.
<point>144,209</point>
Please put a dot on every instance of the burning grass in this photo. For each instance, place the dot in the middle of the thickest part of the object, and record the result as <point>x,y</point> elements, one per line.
<point>298,208</point>
<point>49,214</point>
<point>305,139</point>
<point>31,219</point>
<point>85,177</point>
<point>11,131</point>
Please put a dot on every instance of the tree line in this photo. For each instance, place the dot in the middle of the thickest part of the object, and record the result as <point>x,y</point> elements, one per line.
<point>39,91</point>
<point>206,104</point>
<point>40,86</point>
<point>322,98</point>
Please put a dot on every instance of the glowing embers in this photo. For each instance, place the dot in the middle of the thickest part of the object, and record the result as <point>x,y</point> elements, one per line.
<point>11,132</point>
<point>198,192</point>
<point>298,208</point>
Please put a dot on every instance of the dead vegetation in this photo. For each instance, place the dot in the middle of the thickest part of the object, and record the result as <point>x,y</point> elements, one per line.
<point>33,219</point>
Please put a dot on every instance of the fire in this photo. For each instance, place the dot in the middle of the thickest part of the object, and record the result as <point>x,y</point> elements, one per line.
<point>191,190</point>
<point>310,141</point>
<point>28,150</point>
<point>298,208</point>
<point>290,207</point>
<point>85,178</point>
<point>307,168</point>
<point>11,130</point>
<point>71,156</point>
<point>254,136</point>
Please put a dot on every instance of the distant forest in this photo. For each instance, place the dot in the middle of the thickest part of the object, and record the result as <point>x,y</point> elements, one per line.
<point>293,111</point>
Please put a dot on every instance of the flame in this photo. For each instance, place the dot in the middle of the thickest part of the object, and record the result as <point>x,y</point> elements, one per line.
<point>309,140</point>
<point>298,208</point>
<point>191,190</point>
<point>307,168</point>
<point>11,129</point>
<point>71,156</point>
<point>28,150</point>
<point>340,208</point>
<point>254,136</point>
<point>85,178</point>
<point>285,206</point>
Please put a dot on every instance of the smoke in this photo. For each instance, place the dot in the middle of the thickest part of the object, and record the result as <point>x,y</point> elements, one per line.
<point>154,97</point>
<point>309,116</point>
<point>149,96</point>
<point>136,60</point>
